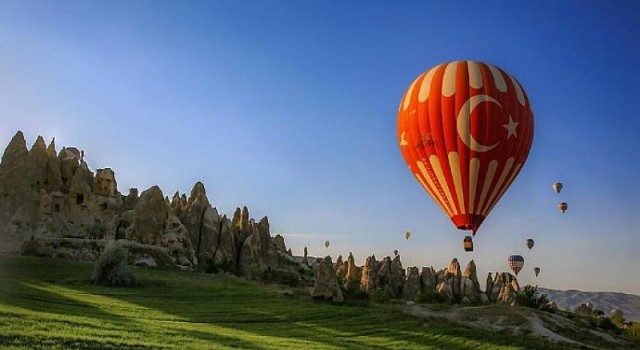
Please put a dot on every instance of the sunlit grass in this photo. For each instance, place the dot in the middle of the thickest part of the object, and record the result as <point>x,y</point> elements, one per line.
<point>49,304</point>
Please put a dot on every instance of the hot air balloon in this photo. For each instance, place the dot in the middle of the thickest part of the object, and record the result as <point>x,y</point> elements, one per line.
<point>563,207</point>
<point>516,263</point>
<point>536,270</point>
<point>529,243</point>
<point>326,244</point>
<point>557,186</point>
<point>465,129</point>
<point>407,235</point>
<point>468,244</point>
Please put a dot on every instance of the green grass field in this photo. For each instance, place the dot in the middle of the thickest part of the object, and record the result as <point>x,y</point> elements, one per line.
<point>49,304</point>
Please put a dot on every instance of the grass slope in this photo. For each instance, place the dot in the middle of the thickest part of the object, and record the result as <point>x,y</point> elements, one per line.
<point>49,304</point>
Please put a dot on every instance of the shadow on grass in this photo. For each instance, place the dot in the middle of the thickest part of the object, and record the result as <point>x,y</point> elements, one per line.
<point>53,342</point>
<point>304,324</point>
<point>38,297</point>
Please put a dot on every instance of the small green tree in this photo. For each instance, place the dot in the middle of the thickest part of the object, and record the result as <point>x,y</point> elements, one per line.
<point>529,297</point>
<point>633,332</point>
<point>111,268</point>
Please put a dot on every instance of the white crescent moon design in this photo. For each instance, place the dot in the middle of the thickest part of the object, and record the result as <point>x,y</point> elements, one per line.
<point>464,116</point>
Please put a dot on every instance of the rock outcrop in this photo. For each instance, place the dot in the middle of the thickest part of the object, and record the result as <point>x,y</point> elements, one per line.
<point>411,289</point>
<point>452,284</point>
<point>502,288</point>
<point>52,204</point>
<point>370,280</point>
<point>326,285</point>
<point>585,309</point>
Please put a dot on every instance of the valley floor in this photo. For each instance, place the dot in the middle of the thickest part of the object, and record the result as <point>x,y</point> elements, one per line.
<point>49,304</point>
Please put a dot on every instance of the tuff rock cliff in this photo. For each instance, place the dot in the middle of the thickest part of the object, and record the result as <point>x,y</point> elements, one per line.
<point>389,278</point>
<point>52,204</point>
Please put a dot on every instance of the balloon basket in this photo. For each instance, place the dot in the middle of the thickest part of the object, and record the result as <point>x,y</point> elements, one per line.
<point>468,244</point>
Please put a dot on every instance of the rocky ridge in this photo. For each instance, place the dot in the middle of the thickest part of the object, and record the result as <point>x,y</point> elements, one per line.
<point>389,278</point>
<point>52,204</point>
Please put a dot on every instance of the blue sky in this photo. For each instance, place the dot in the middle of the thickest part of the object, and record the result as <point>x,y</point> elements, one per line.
<point>289,107</point>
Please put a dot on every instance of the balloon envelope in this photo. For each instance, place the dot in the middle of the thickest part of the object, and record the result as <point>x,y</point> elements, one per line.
<point>563,207</point>
<point>557,187</point>
<point>516,263</point>
<point>465,129</point>
<point>407,235</point>
<point>529,243</point>
<point>536,270</point>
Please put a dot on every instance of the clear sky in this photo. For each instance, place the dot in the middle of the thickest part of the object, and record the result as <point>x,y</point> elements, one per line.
<point>289,107</point>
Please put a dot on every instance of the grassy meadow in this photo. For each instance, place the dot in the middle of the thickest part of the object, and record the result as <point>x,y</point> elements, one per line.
<point>50,304</point>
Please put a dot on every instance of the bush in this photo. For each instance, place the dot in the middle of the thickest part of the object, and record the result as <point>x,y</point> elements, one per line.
<point>381,296</point>
<point>431,298</point>
<point>351,290</point>
<point>111,268</point>
<point>618,321</point>
<point>633,332</point>
<point>213,266</point>
<point>281,276</point>
<point>96,230</point>
<point>606,324</point>
<point>597,313</point>
<point>529,297</point>
<point>33,247</point>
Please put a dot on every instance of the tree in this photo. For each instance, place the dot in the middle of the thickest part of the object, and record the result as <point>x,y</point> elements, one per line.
<point>111,268</point>
<point>529,297</point>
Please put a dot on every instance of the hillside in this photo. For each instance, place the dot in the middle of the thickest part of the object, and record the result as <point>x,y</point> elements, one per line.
<point>48,304</point>
<point>605,301</point>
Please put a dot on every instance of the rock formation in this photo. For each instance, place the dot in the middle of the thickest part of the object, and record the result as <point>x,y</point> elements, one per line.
<point>370,280</point>
<point>326,285</point>
<point>502,288</point>
<point>585,309</point>
<point>451,284</point>
<point>52,204</point>
<point>411,289</point>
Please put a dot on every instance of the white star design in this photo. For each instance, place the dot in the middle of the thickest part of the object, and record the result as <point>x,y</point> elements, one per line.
<point>511,128</point>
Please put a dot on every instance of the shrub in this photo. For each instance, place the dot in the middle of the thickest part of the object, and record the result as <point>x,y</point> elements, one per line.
<point>431,298</point>
<point>606,324</point>
<point>351,290</point>
<point>96,230</point>
<point>32,247</point>
<point>281,276</point>
<point>380,295</point>
<point>597,313</point>
<point>213,266</point>
<point>529,297</point>
<point>633,332</point>
<point>111,268</point>
<point>618,321</point>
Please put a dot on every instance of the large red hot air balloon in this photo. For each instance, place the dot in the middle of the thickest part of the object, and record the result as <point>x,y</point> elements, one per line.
<point>465,129</point>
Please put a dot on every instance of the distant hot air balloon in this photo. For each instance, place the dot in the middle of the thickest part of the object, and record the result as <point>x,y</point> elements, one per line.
<point>563,207</point>
<point>468,244</point>
<point>516,263</point>
<point>529,243</point>
<point>557,186</point>
<point>407,235</point>
<point>465,129</point>
<point>536,270</point>
<point>326,244</point>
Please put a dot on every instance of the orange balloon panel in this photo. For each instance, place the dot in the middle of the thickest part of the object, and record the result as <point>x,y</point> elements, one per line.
<point>465,129</point>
